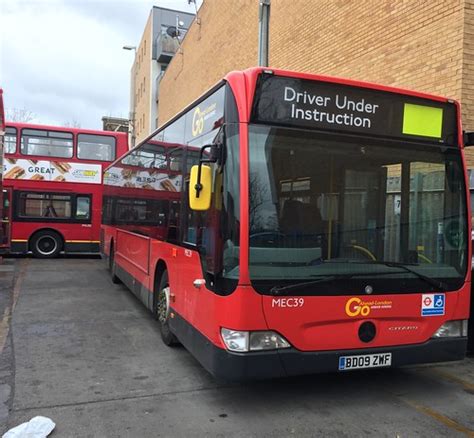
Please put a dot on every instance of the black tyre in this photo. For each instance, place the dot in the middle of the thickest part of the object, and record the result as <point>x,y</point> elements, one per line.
<point>162,310</point>
<point>113,267</point>
<point>46,244</point>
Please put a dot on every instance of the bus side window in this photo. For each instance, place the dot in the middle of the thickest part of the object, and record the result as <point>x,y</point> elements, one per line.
<point>83,207</point>
<point>50,211</point>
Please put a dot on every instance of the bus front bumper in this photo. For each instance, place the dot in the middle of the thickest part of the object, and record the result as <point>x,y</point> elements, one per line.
<point>291,362</point>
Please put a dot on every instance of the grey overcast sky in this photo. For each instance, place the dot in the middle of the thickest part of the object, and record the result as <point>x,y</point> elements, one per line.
<point>63,59</point>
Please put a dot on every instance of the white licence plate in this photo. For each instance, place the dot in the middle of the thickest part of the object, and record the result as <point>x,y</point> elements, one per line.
<point>365,361</point>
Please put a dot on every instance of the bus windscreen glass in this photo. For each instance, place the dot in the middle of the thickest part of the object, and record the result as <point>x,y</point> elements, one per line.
<point>353,213</point>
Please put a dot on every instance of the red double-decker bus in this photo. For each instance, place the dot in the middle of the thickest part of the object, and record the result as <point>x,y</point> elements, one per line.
<point>53,187</point>
<point>322,225</point>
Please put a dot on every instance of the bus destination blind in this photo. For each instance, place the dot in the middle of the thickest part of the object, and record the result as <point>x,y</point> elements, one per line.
<point>328,106</point>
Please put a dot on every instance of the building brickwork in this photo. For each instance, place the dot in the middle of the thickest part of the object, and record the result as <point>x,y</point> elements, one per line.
<point>226,39</point>
<point>467,79</point>
<point>421,45</point>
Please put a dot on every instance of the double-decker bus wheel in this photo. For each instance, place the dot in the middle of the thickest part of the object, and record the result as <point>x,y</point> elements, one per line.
<point>162,310</point>
<point>46,244</point>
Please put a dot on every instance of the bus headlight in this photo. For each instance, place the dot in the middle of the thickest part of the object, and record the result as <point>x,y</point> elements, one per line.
<point>243,341</point>
<point>267,341</point>
<point>452,329</point>
<point>235,340</point>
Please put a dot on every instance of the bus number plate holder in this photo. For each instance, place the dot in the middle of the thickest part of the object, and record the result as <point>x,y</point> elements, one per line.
<point>365,361</point>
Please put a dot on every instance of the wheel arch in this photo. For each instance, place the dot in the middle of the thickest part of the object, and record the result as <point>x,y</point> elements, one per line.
<point>160,267</point>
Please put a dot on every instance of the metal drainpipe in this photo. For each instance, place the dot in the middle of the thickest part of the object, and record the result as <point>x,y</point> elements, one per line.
<point>263,32</point>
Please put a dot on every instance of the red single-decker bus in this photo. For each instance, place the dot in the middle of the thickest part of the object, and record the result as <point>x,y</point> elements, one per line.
<point>322,225</point>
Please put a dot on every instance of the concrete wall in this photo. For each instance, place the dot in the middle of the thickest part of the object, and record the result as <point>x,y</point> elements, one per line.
<point>146,69</point>
<point>141,70</point>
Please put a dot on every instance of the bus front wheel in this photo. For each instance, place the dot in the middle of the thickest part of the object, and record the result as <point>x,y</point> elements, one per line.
<point>46,244</point>
<point>162,310</point>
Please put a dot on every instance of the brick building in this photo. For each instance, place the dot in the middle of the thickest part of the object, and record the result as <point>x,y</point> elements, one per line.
<point>422,45</point>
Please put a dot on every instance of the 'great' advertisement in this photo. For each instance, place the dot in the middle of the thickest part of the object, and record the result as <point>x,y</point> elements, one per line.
<point>59,171</point>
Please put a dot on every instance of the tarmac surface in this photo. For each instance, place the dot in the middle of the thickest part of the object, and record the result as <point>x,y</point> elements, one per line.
<point>85,352</point>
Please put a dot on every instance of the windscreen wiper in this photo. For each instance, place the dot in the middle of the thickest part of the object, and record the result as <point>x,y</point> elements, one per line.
<point>435,283</point>
<point>277,290</point>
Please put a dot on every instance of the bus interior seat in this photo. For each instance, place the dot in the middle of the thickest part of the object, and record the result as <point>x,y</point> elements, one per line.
<point>300,218</point>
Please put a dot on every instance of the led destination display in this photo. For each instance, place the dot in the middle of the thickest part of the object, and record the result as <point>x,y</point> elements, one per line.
<point>328,106</point>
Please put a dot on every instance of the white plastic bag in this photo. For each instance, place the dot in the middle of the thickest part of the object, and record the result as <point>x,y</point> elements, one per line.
<point>37,427</point>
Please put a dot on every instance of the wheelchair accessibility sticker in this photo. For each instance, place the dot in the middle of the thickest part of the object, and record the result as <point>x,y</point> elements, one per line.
<point>432,304</point>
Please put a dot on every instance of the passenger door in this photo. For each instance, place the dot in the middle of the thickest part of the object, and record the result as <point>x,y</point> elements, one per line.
<point>84,212</point>
<point>5,228</point>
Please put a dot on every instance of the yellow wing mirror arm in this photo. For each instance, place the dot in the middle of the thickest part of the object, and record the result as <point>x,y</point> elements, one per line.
<point>212,159</point>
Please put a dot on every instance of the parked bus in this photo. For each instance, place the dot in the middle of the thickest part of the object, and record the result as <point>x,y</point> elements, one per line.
<point>322,226</point>
<point>53,187</point>
<point>4,241</point>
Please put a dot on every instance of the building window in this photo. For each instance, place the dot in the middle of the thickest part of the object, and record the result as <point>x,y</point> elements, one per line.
<point>46,143</point>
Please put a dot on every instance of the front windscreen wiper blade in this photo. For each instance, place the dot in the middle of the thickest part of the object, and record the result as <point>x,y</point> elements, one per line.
<point>277,290</point>
<point>435,283</point>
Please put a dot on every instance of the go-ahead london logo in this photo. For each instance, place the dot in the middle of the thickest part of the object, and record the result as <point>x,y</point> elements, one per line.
<point>357,307</point>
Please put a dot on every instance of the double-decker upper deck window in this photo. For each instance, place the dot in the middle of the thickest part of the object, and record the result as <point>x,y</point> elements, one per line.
<point>148,156</point>
<point>10,140</point>
<point>46,143</point>
<point>95,147</point>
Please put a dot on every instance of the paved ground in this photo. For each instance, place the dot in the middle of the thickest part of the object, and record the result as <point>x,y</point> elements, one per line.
<point>7,276</point>
<point>87,354</point>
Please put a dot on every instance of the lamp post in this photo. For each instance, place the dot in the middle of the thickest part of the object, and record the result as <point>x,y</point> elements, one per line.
<point>131,115</point>
<point>263,32</point>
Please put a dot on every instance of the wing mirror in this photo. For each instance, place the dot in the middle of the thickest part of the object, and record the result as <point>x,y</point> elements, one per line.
<point>200,180</point>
